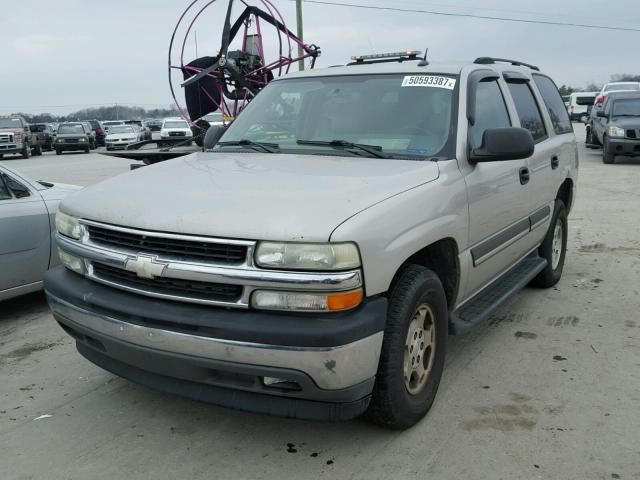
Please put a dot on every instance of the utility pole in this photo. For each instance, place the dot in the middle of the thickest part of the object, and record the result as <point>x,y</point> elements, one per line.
<point>300,35</point>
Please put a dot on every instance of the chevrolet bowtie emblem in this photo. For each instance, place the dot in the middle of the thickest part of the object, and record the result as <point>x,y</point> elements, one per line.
<point>145,267</point>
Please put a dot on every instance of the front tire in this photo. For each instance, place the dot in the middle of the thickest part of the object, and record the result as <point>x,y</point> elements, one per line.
<point>607,156</point>
<point>26,151</point>
<point>37,151</point>
<point>553,248</point>
<point>58,151</point>
<point>413,350</point>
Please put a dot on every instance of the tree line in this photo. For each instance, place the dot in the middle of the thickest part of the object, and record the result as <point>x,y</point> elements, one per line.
<point>113,112</point>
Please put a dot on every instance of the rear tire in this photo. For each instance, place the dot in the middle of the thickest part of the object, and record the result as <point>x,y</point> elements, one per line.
<point>37,151</point>
<point>553,248</point>
<point>58,151</point>
<point>607,156</point>
<point>86,150</point>
<point>408,372</point>
<point>26,151</point>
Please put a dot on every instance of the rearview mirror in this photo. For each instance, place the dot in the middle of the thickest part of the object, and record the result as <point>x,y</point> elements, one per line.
<point>600,113</point>
<point>213,135</point>
<point>499,144</point>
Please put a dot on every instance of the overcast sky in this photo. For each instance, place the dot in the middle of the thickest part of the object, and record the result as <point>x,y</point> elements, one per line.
<point>62,56</point>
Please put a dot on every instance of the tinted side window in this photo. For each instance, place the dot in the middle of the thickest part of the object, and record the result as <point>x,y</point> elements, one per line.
<point>18,189</point>
<point>491,111</point>
<point>4,190</point>
<point>555,105</point>
<point>528,111</point>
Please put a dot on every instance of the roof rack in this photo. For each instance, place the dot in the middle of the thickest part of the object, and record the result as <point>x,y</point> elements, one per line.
<point>407,55</point>
<point>491,60</point>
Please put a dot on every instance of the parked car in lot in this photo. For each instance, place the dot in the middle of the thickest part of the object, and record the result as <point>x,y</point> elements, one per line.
<point>91,134</point>
<point>120,136</point>
<point>153,124</point>
<point>45,135</point>
<point>99,132</point>
<point>107,124</point>
<point>311,264</point>
<point>27,246</point>
<point>615,87</point>
<point>579,104</point>
<point>617,127</point>
<point>175,128</point>
<point>72,136</point>
<point>16,137</point>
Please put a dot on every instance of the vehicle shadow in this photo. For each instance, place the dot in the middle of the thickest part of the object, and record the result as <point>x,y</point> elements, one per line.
<point>23,306</point>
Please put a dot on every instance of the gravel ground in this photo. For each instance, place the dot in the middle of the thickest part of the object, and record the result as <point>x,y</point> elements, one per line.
<point>550,388</point>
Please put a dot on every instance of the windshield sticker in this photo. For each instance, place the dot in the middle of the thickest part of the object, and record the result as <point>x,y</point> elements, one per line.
<point>429,81</point>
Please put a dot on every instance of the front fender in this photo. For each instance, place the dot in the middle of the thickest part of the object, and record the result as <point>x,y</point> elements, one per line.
<point>390,232</point>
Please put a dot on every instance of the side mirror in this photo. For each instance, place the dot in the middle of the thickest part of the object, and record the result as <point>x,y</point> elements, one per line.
<point>500,144</point>
<point>600,113</point>
<point>213,135</point>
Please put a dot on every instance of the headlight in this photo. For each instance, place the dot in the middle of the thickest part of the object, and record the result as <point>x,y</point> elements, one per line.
<point>83,139</point>
<point>307,256</point>
<point>616,132</point>
<point>305,301</point>
<point>71,262</point>
<point>68,226</point>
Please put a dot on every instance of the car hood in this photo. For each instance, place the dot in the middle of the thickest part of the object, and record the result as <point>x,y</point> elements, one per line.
<point>248,195</point>
<point>58,190</point>
<point>626,122</point>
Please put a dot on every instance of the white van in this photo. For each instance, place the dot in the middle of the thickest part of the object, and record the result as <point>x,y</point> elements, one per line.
<point>579,103</point>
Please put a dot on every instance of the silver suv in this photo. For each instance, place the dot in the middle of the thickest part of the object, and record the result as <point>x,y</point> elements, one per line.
<point>313,261</point>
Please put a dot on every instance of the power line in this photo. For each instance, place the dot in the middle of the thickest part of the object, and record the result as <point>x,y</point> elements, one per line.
<point>480,17</point>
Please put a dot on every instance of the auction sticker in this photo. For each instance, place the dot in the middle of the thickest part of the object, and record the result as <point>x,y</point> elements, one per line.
<point>429,81</point>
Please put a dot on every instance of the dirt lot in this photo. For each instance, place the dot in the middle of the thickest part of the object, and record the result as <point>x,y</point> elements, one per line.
<point>549,389</point>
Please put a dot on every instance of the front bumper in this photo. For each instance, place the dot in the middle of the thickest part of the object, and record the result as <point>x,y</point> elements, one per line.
<point>64,146</point>
<point>624,146</point>
<point>223,355</point>
<point>9,148</point>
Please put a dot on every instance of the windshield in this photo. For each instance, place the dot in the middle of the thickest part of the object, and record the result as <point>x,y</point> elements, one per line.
<point>121,129</point>
<point>630,107</point>
<point>75,129</point>
<point>176,124</point>
<point>10,123</point>
<point>403,115</point>
<point>622,86</point>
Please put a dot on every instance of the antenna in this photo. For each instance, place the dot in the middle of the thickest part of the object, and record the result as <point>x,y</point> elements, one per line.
<point>424,62</point>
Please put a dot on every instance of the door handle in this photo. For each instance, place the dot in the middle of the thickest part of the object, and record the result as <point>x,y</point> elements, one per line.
<point>555,161</point>
<point>524,176</point>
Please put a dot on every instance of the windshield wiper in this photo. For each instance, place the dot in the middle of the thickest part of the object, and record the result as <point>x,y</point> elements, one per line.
<point>373,150</point>
<point>244,142</point>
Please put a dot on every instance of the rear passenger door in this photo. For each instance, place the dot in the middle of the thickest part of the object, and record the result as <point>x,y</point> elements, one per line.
<point>545,161</point>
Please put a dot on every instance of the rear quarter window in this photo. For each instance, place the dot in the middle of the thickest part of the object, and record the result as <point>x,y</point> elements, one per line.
<point>554,104</point>
<point>528,110</point>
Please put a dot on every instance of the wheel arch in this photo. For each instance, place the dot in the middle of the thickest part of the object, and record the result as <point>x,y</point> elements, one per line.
<point>565,193</point>
<point>442,258</point>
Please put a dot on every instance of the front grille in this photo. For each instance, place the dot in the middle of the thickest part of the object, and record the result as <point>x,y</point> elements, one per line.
<point>183,250</point>
<point>177,134</point>
<point>71,140</point>
<point>169,286</point>
<point>6,138</point>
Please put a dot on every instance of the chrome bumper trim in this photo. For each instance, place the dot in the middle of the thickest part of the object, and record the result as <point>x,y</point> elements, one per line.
<point>331,368</point>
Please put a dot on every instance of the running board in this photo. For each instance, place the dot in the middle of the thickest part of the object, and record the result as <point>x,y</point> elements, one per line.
<point>485,303</point>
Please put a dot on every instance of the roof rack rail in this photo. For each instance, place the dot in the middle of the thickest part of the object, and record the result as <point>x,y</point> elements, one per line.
<point>490,60</point>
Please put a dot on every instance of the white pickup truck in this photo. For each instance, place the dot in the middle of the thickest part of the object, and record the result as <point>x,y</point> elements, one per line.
<point>312,261</point>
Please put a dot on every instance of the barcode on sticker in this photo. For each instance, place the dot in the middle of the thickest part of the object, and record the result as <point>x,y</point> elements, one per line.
<point>429,81</point>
